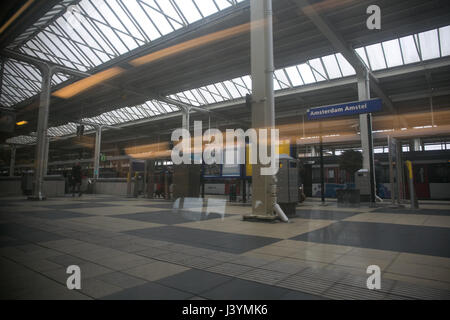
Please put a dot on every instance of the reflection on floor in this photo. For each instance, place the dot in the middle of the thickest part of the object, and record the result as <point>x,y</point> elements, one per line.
<point>201,249</point>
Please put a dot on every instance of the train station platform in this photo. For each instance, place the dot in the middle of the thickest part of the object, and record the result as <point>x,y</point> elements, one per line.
<point>146,249</point>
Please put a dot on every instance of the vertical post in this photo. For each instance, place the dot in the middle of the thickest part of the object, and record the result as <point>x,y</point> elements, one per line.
<point>365,124</point>
<point>244,191</point>
<point>47,148</point>
<point>2,64</point>
<point>412,191</point>
<point>145,177</point>
<point>417,145</point>
<point>39,161</point>
<point>263,104</point>
<point>98,143</point>
<point>185,121</point>
<point>322,178</point>
<point>166,184</point>
<point>12,163</point>
<point>400,172</point>
<point>129,178</point>
<point>391,156</point>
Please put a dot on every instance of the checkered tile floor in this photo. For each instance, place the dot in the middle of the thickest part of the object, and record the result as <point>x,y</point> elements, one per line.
<point>146,249</point>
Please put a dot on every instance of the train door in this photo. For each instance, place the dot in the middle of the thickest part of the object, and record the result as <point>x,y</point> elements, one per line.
<point>421,182</point>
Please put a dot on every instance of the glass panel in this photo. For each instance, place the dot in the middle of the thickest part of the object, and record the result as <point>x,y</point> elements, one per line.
<point>362,54</point>
<point>222,4</point>
<point>281,76</point>
<point>306,73</point>
<point>393,53</point>
<point>208,97</point>
<point>232,89</point>
<point>159,20</point>
<point>409,50</point>
<point>207,7</point>
<point>444,34</point>
<point>346,67</point>
<point>429,45</point>
<point>171,13</point>
<point>189,10</point>
<point>294,76</point>
<point>332,66</point>
<point>376,56</point>
<point>318,70</point>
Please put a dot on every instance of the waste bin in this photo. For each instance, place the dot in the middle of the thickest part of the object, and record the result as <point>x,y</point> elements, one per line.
<point>362,183</point>
<point>90,186</point>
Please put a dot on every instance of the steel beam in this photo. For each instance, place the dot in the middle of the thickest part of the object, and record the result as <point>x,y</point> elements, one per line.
<point>339,43</point>
<point>39,62</point>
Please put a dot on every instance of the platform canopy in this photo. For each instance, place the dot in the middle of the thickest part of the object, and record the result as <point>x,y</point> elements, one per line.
<point>196,52</point>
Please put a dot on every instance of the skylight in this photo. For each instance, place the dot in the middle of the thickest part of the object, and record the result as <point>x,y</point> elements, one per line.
<point>92,32</point>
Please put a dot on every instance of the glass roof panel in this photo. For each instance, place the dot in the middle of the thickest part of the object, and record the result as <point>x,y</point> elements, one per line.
<point>189,10</point>
<point>306,73</point>
<point>222,4</point>
<point>429,45</point>
<point>318,70</point>
<point>346,67</point>
<point>332,67</point>
<point>362,54</point>
<point>376,56</point>
<point>444,36</point>
<point>232,89</point>
<point>409,50</point>
<point>281,76</point>
<point>207,7</point>
<point>393,53</point>
<point>294,76</point>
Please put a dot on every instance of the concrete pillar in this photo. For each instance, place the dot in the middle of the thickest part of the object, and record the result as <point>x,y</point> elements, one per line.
<point>12,162</point>
<point>365,124</point>
<point>263,104</point>
<point>41,149</point>
<point>98,143</point>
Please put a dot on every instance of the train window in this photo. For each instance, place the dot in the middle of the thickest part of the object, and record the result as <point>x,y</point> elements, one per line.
<point>439,173</point>
<point>330,173</point>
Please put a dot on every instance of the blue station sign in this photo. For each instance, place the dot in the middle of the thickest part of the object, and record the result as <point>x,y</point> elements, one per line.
<point>346,109</point>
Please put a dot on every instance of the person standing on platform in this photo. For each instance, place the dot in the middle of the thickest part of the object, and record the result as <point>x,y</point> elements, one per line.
<point>76,179</point>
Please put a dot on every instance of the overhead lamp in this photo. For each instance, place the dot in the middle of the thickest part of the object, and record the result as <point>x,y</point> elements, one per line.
<point>22,123</point>
<point>87,83</point>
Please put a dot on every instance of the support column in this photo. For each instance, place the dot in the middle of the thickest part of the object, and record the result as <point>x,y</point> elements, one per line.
<point>185,120</point>
<point>46,153</point>
<point>12,163</point>
<point>98,143</point>
<point>417,145</point>
<point>39,161</point>
<point>322,169</point>
<point>130,179</point>
<point>263,104</point>
<point>365,124</point>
